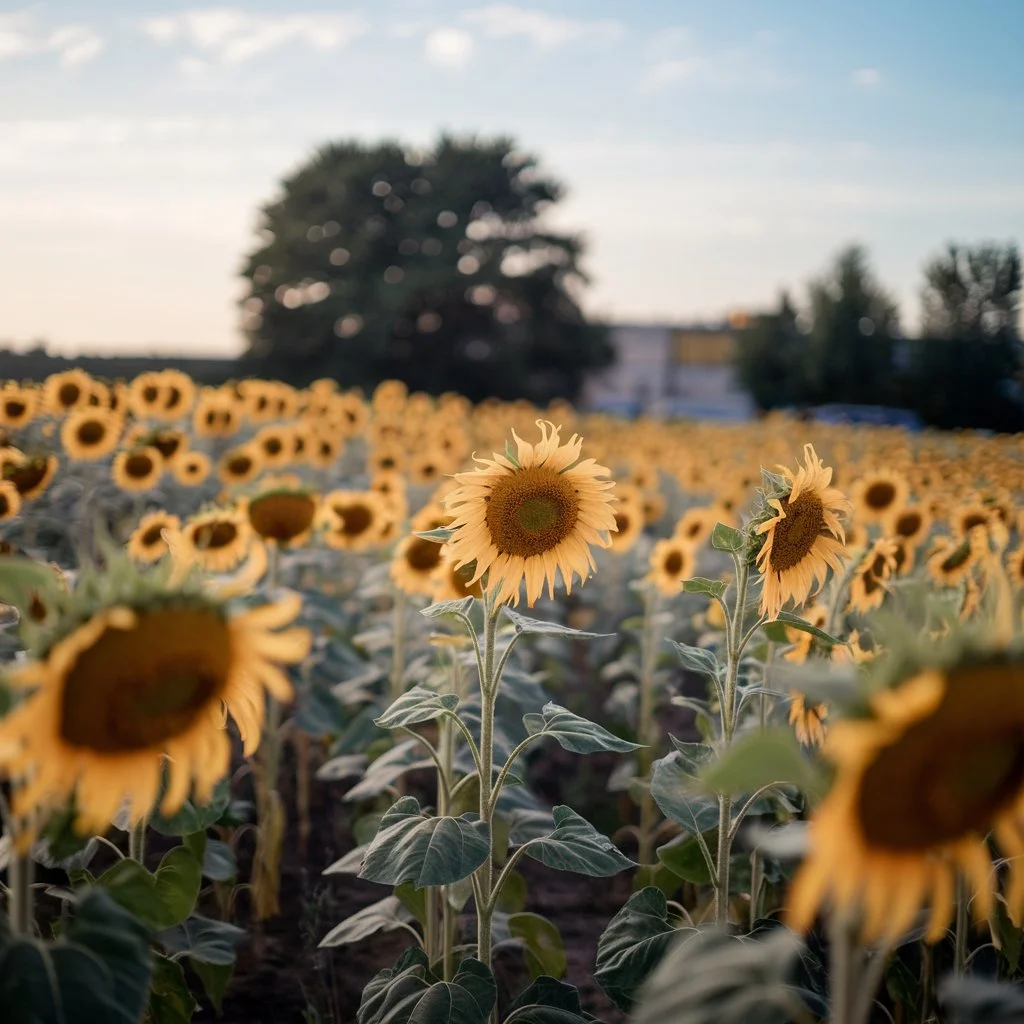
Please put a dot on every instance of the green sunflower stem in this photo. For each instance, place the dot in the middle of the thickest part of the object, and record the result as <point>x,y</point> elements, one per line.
<point>645,728</point>
<point>20,872</point>
<point>488,797</point>
<point>398,645</point>
<point>137,841</point>
<point>737,640</point>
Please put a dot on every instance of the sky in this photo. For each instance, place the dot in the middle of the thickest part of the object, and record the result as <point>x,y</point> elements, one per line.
<point>714,153</point>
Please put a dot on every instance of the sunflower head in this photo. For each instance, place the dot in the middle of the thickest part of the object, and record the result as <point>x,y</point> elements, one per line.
<point>149,540</point>
<point>90,433</point>
<point>672,561</point>
<point>18,405</point>
<point>30,474</point>
<point>138,469</point>
<point>802,527</point>
<point>530,512</point>
<point>135,676</point>
<point>284,516</point>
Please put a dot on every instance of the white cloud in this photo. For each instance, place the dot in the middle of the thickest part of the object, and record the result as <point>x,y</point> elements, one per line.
<point>545,31</point>
<point>449,47</point>
<point>866,78</point>
<point>233,36</point>
<point>73,44</point>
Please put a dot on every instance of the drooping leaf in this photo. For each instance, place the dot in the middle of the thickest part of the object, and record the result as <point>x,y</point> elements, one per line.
<point>542,944</point>
<point>795,622</point>
<point>697,659</point>
<point>675,790</point>
<point>203,940</point>
<point>159,900</point>
<point>170,1001</point>
<point>460,608</point>
<point>344,766</point>
<point>215,979</point>
<point>700,585</point>
<point>409,847</point>
<point>633,945</point>
<point>575,845</point>
<point>574,733</point>
<point>539,627</point>
<point>417,705</point>
<point>760,759</point>
<point>726,538</point>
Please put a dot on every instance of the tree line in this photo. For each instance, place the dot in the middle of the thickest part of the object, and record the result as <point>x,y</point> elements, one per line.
<point>845,346</point>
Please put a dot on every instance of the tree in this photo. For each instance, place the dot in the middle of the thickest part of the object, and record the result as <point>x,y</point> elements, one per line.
<point>771,357</point>
<point>853,322</point>
<point>972,292</point>
<point>433,267</point>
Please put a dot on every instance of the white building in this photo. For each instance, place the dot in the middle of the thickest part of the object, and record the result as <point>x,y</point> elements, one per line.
<point>671,371</point>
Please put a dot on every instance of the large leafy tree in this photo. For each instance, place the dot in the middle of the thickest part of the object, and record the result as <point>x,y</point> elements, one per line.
<point>433,267</point>
<point>972,292</point>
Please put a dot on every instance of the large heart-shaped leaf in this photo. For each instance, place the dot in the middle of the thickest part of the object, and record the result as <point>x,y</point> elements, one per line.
<point>575,845</point>
<point>409,847</point>
<point>574,733</point>
<point>633,945</point>
<point>417,705</point>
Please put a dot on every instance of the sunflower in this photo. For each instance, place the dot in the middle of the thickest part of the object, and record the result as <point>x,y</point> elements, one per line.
<point>451,584</point>
<point>629,518</point>
<point>190,469</point>
<point>817,615</point>
<point>169,443</point>
<point>355,520</point>
<point>10,500</point>
<point>808,720</point>
<point>322,451</point>
<point>178,394</point>
<point>951,561</point>
<point>428,467</point>
<point>911,524</point>
<point>146,396</point>
<point>217,541</point>
<point>148,541</point>
<point>66,390</point>
<point>90,434</point>
<point>285,517</point>
<point>524,517</point>
<point>414,565</point>
<point>972,515</point>
<point>672,561</point>
<point>31,475</point>
<point>240,465</point>
<point>868,586</point>
<point>216,414</point>
<point>389,455</point>
<point>695,525</point>
<point>918,786</point>
<point>137,469</point>
<point>257,400</point>
<point>879,494</point>
<point>140,686</point>
<point>18,405</point>
<point>352,413</point>
<point>275,446</point>
<point>804,538</point>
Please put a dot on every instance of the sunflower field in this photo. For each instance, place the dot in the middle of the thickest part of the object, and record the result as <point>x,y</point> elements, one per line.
<point>393,709</point>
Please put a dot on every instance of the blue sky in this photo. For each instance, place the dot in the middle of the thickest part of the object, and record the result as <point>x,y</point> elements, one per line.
<point>714,151</point>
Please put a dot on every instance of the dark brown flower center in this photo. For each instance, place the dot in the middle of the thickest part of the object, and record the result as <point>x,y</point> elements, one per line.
<point>166,443</point>
<point>355,519</point>
<point>239,465</point>
<point>973,519</point>
<point>14,408</point>
<point>218,534</point>
<point>27,476</point>
<point>908,523</point>
<point>950,774</point>
<point>880,495</point>
<point>282,517</point>
<point>531,511</point>
<point>423,555</point>
<point>154,535</point>
<point>91,432</point>
<point>794,536</point>
<point>68,394</point>
<point>134,689</point>
<point>138,465</point>
<point>673,564</point>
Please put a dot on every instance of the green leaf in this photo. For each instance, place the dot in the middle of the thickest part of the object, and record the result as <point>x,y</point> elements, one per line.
<point>700,585</point>
<point>513,894</point>
<point>441,535</point>
<point>178,879</point>
<point>219,863</point>
<point>349,864</point>
<point>684,857</point>
<point>460,608</point>
<point>713,977</point>
<point>203,940</point>
<point>675,790</point>
<point>344,766</point>
<point>170,1001</point>
<point>383,916</point>
<point>426,851</point>
<point>760,759</point>
<point>697,659</point>
<point>193,817</point>
<point>542,944</point>
<point>726,538</point>
<point>633,945</point>
<point>467,999</point>
<point>415,706</point>
<point>512,454</point>
<point>215,979</point>
<point>795,622</point>
<point>414,900</point>
<point>575,845</point>
<point>542,628</point>
<point>547,1001</point>
<point>574,733</point>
